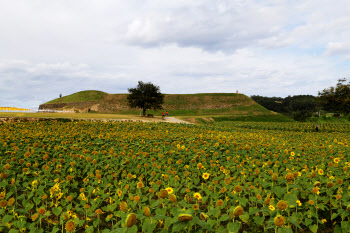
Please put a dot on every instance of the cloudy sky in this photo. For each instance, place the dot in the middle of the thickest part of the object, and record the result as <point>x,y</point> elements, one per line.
<point>259,47</point>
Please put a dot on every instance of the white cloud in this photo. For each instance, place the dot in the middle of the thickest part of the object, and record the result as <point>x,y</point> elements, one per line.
<point>338,48</point>
<point>185,46</point>
<point>211,25</point>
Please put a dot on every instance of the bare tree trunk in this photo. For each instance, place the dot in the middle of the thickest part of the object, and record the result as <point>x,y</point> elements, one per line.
<point>144,111</point>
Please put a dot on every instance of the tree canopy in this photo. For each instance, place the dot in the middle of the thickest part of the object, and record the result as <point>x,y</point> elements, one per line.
<point>145,96</point>
<point>336,99</point>
<point>298,107</point>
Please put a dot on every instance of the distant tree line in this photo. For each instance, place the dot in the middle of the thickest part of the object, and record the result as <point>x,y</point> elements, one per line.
<point>298,107</point>
<point>334,100</point>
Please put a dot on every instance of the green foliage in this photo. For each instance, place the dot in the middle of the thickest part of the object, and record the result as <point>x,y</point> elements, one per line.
<point>336,99</point>
<point>259,118</point>
<point>298,107</point>
<point>145,96</point>
<point>329,118</point>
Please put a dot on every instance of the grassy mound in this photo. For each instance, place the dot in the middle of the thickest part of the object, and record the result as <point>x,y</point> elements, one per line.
<point>82,96</point>
<point>222,106</point>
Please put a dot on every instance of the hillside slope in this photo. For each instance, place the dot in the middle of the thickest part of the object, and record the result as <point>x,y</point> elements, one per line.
<point>205,104</point>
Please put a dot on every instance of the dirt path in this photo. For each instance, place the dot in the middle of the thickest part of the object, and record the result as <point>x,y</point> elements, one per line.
<point>136,119</point>
<point>175,120</point>
<point>167,119</point>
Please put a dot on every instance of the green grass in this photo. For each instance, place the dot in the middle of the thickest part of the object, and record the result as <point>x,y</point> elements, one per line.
<point>258,118</point>
<point>330,119</point>
<point>81,96</point>
<point>240,110</point>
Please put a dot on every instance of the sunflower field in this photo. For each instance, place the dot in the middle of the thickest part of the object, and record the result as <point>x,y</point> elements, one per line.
<point>159,177</point>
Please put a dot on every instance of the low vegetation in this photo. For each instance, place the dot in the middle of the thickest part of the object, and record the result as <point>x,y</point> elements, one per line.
<point>132,177</point>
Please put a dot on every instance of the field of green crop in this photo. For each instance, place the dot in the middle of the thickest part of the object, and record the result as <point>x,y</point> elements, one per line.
<point>160,177</point>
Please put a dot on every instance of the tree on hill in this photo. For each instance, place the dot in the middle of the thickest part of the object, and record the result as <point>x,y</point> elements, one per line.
<point>336,99</point>
<point>145,96</point>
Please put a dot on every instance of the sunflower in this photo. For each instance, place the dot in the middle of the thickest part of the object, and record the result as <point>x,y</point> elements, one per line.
<point>282,205</point>
<point>120,192</point>
<point>7,166</point>
<point>320,172</point>
<point>238,188</point>
<point>330,184</point>
<point>70,226</point>
<point>238,211</point>
<point>69,198</point>
<point>146,211</point>
<point>279,220</point>
<point>3,203</point>
<point>41,211</point>
<point>205,176</point>
<point>340,181</point>
<point>195,207</point>
<point>137,198</point>
<point>298,202</point>
<point>163,193</point>
<point>169,190</point>
<point>311,202</point>
<point>34,217</point>
<point>228,180</point>
<point>204,216</point>
<point>172,198</point>
<point>198,196</point>
<point>123,206</point>
<point>336,160</point>
<point>185,217</point>
<point>271,207</point>
<point>140,185</point>
<point>219,202</point>
<point>289,176</point>
<point>317,184</point>
<point>27,154</point>
<point>316,190</point>
<point>11,201</point>
<point>98,211</point>
<point>130,220</point>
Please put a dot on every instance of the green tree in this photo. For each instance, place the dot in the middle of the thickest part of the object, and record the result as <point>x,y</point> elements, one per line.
<point>336,99</point>
<point>145,96</point>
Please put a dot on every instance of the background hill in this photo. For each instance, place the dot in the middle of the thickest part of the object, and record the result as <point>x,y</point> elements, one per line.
<point>227,105</point>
